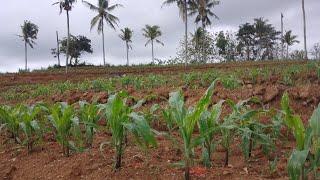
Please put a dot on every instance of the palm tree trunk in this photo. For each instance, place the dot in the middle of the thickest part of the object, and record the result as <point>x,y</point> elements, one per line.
<point>104,53</point>
<point>287,52</point>
<point>127,46</point>
<point>68,41</point>
<point>58,48</point>
<point>304,31</point>
<point>26,55</point>
<point>152,52</point>
<point>186,34</point>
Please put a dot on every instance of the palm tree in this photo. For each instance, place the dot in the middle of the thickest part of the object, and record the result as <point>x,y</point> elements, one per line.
<point>304,31</point>
<point>152,33</point>
<point>202,10</point>
<point>289,40</point>
<point>29,35</point>
<point>126,36</point>
<point>183,8</point>
<point>104,10</point>
<point>67,6</point>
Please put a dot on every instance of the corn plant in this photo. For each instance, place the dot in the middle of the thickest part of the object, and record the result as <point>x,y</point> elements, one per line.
<point>185,120</point>
<point>208,126</point>
<point>29,124</point>
<point>121,120</point>
<point>239,122</point>
<point>89,117</point>
<point>10,118</point>
<point>305,158</point>
<point>65,123</point>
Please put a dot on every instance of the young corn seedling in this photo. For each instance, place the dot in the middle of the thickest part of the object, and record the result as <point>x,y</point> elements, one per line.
<point>89,117</point>
<point>30,125</point>
<point>65,123</point>
<point>306,157</point>
<point>122,120</point>
<point>10,118</point>
<point>208,126</point>
<point>186,120</point>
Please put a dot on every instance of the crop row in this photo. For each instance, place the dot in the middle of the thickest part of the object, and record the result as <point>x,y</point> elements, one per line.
<point>289,75</point>
<point>74,127</point>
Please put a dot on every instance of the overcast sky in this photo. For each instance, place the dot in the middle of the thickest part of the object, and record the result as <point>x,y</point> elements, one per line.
<point>135,14</point>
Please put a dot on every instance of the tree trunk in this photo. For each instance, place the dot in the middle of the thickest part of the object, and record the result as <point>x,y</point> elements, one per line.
<point>58,48</point>
<point>282,44</point>
<point>152,52</point>
<point>68,41</point>
<point>186,34</point>
<point>127,46</point>
<point>26,55</point>
<point>304,32</point>
<point>104,53</point>
<point>287,52</point>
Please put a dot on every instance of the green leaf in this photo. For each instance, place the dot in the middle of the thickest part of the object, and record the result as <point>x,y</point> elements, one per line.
<point>296,162</point>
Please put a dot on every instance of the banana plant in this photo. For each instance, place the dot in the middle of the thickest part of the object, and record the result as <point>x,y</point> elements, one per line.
<point>65,123</point>
<point>89,117</point>
<point>186,119</point>
<point>121,120</point>
<point>208,127</point>
<point>30,125</point>
<point>10,119</point>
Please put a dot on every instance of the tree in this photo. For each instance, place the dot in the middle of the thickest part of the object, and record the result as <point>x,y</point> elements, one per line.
<point>183,8</point>
<point>29,35</point>
<point>203,11</point>
<point>77,46</point>
<point>246,37</point>
<point>316,51</point>
<point>304,31</point>
<point>265,39</point>
<point>289,40</point>
<point>200,44</point>
<point>152,33</point>
<point>226,44</point>
<point>104,10</point>
<point>67,6</point>
<point>126,36</point>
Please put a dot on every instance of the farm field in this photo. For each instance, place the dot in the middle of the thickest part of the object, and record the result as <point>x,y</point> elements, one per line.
<point>265,85</point>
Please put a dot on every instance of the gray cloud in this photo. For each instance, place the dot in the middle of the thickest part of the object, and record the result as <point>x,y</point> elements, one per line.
<point>135,15</point>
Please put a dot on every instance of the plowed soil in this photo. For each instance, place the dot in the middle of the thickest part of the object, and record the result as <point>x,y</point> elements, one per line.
<point>48,162</point>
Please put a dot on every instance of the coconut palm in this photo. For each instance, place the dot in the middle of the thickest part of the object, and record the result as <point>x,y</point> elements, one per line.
<point>304,31</point>
<point>104,10</point>
<point>29,35</point>
<point>126,36</point>
<point>203,11</point>
<point>289,40</point>
<point>183,8</point>
<point>67,6</point>
<point>152,33</point>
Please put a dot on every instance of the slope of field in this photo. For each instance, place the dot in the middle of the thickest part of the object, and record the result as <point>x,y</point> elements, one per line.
<point>239,81</point>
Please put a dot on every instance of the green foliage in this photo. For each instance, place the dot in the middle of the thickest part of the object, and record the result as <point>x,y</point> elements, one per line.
<point>121,120</point>
<point>306,157</point>
<point>208,126</point>
<point>10,118</point>
<point>66,124</point>
<point>185,120</point>
<point>29,124</point>
<point>89,117</point>
<point>230,82</point>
